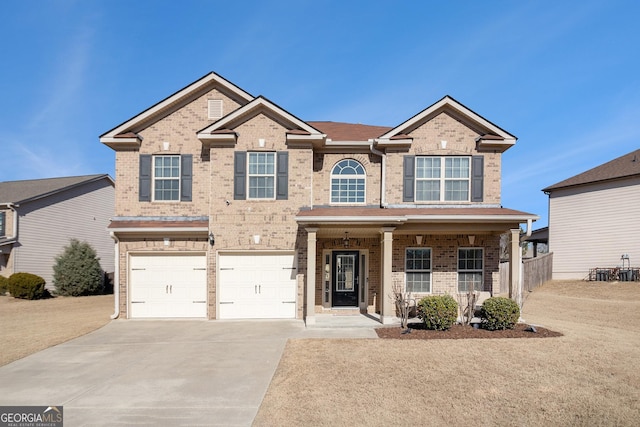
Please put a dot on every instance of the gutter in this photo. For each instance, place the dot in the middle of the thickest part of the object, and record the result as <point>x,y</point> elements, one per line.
<point>383,175</point>
<point>116,277</point>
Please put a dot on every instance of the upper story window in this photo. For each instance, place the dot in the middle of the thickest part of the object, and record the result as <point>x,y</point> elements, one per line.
<point>470,269</point>
<point>418,269</point>
<point>3,228</point>
<point>165,177</point>
<point>262,175</point>
<point>442,179</point>
<point>348,179</point>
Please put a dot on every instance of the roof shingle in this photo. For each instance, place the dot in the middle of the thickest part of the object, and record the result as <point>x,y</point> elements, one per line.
<point>621,167</point>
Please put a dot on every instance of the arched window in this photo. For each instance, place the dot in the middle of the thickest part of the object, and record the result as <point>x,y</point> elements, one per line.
<point>348,182</point>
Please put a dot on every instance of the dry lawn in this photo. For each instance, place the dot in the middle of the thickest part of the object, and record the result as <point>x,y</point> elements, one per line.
<point>30,326</point>
<point>589,376</point>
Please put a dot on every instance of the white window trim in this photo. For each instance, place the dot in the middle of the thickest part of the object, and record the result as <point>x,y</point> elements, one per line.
<point>332,177</point>
<point>442,179</point>
<point>469,271</point>
<point>250,175</point>
<point>154,178</point>
<point>215,106</point>
<point>430,270</point>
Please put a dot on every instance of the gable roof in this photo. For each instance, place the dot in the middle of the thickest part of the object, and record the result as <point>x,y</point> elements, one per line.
<point>17,192</point>
<point>125,132</point>
<point>491,136</point>
<point>222,128</point>
<point>622,167</point>
<point>339,131</point>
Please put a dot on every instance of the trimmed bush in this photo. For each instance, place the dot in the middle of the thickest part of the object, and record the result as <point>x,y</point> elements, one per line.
<point>438,312</point>
<point>77,271</point>
<point>27,286</point>
<point>4,285</point>
<point>499,313</point>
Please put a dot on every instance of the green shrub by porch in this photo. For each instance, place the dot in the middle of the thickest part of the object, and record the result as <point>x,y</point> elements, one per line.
<point>77,271</point>
<point>499,313</point>
<point>27,286</point>
<point>438,312</point>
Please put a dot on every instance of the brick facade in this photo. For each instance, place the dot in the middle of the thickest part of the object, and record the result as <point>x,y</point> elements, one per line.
<point>237,223</point>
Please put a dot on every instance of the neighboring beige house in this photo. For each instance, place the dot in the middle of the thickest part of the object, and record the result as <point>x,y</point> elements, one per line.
<point>38,218</point>
<point>229,206</point>
<point>593,218</point>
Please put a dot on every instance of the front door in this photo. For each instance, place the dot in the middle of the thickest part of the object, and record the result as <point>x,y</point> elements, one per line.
<point>345,279</point>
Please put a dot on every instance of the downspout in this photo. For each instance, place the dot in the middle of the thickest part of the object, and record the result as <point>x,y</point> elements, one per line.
<point>116,278</point>
<point>383,175</point>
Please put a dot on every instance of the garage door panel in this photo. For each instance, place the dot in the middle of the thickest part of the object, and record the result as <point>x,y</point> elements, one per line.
<point>168,286</point>
<point>257,286</point>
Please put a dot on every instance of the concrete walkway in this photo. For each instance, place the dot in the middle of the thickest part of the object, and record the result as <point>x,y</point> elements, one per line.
<point>161,373</point>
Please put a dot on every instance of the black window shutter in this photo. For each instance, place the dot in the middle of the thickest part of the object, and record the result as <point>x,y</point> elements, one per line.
<point>3,218</point>
<point>408,182</point>
<point>186,177</point>
<point>144,188</point>
<point>240,175</point>
<point>282,175</point>
<point>477,178</point>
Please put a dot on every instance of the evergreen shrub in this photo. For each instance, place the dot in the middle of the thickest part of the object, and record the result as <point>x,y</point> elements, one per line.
<point>438,312</point>
<point>499,313</point>
<point>77,271</point>
<point>27,286</point>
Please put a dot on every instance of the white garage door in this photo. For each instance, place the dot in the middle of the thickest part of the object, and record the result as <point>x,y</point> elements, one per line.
<point>167,286</point>
<point>261,286</point>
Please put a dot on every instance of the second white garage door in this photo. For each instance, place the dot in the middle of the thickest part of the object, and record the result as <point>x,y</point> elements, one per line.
<point>257,286</point>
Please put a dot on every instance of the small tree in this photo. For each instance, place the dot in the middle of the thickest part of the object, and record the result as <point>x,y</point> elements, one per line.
<point>404,302</point>
<point>77,270</point>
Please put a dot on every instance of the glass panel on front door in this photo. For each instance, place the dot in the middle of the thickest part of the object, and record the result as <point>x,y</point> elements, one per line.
<point>345,279</point>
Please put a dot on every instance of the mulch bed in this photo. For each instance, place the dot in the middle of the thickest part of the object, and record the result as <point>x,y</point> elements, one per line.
<point>456,332</point>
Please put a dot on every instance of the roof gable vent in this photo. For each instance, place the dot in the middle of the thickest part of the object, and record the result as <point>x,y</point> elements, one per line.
<point>215,109</point>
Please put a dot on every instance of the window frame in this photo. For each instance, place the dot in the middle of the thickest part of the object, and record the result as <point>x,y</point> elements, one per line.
<point>408,271</point>
<point>155,179</point>
<point>272,175</point>
<point>3,223</point>
<point>475,270</point>
<point>442,178</point>
<point>340,178</point>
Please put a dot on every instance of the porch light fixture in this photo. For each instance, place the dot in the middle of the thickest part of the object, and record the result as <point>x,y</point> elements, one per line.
<point>472,239</point>
<point>212,239</point>
<point>345,241</point>
<point>418,240</point>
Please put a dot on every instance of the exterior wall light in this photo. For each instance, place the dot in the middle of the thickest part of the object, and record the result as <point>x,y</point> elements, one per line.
<point>212,239</point>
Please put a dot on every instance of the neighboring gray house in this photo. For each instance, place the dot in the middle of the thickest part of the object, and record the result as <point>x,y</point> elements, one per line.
<point>593,218</point>
<point>38,218</point>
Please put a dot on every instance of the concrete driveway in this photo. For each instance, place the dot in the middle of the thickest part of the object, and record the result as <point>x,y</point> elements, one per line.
<point>167,373</point>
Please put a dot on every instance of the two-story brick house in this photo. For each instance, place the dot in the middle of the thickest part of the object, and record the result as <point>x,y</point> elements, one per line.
<point>228,206</point>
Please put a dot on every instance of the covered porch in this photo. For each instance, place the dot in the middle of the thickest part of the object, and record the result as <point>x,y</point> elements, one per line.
<point>357,257</point>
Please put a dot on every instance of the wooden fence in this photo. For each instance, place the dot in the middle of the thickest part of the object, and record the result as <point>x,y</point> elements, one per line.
<point>535,272</point>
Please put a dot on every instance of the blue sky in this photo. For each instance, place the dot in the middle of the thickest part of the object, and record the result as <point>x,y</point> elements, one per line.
<point>563,76</point>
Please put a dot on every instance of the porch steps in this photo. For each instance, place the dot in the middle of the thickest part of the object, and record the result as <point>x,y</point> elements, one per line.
<point>357,320</point>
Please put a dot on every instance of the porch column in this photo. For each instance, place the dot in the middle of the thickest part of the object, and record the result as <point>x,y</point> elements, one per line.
<point>310,318</point>
<point>387,309</point>
<point>515,287</point>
